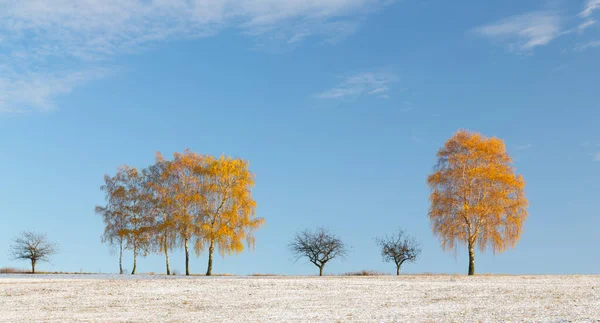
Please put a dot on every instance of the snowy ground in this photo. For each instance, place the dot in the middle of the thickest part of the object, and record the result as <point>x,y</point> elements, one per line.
<point>104,298</point>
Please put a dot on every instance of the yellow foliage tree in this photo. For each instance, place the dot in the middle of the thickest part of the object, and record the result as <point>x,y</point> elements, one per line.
<point>476,199</point>
<point>228,214</point>
<point>185,197</point>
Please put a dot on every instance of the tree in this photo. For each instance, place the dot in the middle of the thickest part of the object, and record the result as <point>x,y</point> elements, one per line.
<point>185,197</point>
<point>34,247</point>
<point>476,199</point>
<point>124,215</point>
<point>319,247</point>
<point>114,216</point>
<point>159,205</point>
<point>399,249</point>
<point>228,215</point>
<point>139,221</point>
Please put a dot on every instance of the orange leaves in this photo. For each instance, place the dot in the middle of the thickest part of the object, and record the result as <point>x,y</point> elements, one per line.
<point>213,200</point>
<point>193,198</point>
<point>476,196</point>
<point>228,206</point>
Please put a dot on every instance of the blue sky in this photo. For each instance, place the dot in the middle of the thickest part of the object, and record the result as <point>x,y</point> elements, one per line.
<point>339,105</point>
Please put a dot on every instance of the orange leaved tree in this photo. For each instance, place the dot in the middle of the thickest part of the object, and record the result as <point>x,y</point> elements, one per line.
<point>185,197</point>
<point>476,199</point>
<point>228,214</point>
<point>159,207</point>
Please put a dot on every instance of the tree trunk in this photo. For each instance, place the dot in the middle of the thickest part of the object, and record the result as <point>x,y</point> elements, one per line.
<point>471,259</point>
<point>121,259</point>
<point>321,270</point>
<point>398,270</point>
<point>134,261</point>
<point>211,249</point>
<point>33,266</point>
<point>167,259</point>
<point>187,258</point>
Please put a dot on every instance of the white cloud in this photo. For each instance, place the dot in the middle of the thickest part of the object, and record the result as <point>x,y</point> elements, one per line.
<point>37,91</point>
<point>588,45</point>
<point>355,86</point>
<point>524,32</point>
<point>590,7</point>
<point>379,90</point>
<point>597,157</point>
<point>585,25</point>
<point>525,147</point>
<point>580,28</point>
<point>40,39</point>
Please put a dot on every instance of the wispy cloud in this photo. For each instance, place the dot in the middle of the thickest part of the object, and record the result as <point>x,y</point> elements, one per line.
<point>597,157</point>
<point>364,84</point>
<point>524,32</point>
<point>590,7</point>
<point>581,28</point>
<point>24,93</point>
<point>585,25</point>
<point>587,45</point>
<point>525,147</point>
<point>62,40</point>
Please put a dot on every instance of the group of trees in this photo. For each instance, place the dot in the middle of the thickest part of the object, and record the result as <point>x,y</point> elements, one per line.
<point>321,245</point>
<point>193,201</point>
<point>205,203</point>
<point>477,200</point>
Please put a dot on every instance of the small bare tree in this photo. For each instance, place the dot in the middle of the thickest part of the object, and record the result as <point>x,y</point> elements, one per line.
<point>319,247</point>
<point>34,247</point>
<point>399,248</point>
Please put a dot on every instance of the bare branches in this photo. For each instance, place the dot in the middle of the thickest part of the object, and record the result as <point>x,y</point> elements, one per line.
<point>34,247</point>
<point>399,248</point>
<point>319,247</point>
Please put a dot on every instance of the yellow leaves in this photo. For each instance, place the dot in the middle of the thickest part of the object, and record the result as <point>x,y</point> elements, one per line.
<point>192,198</point>
<point>476,196</point>
<point>214,200</point>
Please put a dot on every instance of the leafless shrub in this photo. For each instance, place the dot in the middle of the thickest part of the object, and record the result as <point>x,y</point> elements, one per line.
<point>264,275</point>
<point>365,273</point>
<point>11,270</point>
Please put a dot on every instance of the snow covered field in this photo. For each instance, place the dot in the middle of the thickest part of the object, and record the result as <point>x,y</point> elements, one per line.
<point>409,298</point>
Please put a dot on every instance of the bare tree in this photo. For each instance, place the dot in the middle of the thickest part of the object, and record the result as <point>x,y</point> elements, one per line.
<point>319,247</point>
<point>34,247</point>
<point>399,248</point>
